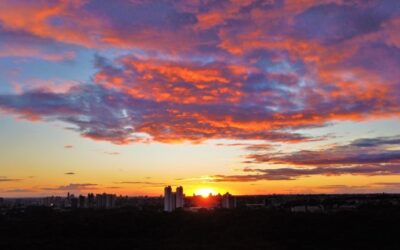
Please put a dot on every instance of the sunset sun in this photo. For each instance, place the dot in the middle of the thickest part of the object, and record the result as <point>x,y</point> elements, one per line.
<point>205,192</point>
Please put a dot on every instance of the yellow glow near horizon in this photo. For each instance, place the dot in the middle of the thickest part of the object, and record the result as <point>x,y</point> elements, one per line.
<point>205,192</point>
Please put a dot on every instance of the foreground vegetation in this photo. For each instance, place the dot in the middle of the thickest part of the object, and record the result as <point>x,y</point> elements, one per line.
<point>44,228</point>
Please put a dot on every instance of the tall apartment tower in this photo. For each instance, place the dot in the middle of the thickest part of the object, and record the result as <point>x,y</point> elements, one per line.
<point>173,200</point>
<point>168,199</point>
<point>179,197</point>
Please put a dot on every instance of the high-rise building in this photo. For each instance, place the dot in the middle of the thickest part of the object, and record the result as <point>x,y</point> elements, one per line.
<point>105,201</point>
<point>74,203</point>
<point>90,200</point>
<point>173,200</point>
<point>179,197</point>
<point>68,201</point>
<point>110,200</point>
<point>82,201</point>
<point>228,201</point>
<point>99,201</point>
<point>168,199</point>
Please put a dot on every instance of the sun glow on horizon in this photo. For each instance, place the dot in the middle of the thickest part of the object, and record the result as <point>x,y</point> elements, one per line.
<point>205,192</point>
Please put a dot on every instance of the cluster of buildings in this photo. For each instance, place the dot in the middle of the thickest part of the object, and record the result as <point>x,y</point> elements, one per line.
<point>173,200</point>
<point>177,200</point>
<point>91,201</point>
<point>100,201</point>
<point>226,201</point>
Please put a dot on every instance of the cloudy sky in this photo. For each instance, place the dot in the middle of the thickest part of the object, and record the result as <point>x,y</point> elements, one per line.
<point>246,96</point>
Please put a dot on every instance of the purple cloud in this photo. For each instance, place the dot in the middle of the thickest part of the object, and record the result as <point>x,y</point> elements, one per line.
<point>241,70</point>
<point>332,23</point>
<point>19,190</point>
<point>365,156</point>
<point>360,151</point>
<point>295,173</point>
<point>105,114</point>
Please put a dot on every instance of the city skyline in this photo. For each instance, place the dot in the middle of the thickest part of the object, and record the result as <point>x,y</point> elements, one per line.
<point>246,97</point>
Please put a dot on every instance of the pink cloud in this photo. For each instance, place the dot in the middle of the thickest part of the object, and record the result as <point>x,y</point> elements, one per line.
<point>207,70</point>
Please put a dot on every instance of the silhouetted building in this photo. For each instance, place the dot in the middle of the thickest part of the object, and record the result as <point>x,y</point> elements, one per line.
<point>228,201</point>
<point>110,200</point>
<point>105,201</point>
<point>173,200</point>
<point>74,203</point>
<point>82,201</point>
<point>68,201</point>
<point>179,197</point>
<point>169,204</point>
<point>91,200</point>
<point>54,201</point>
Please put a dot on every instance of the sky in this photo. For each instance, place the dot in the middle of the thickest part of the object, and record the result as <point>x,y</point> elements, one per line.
<point>239,96</point>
